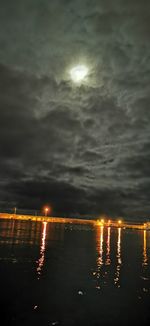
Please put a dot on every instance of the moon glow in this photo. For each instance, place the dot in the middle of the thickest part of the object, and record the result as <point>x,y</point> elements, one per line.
<point>78,73</point>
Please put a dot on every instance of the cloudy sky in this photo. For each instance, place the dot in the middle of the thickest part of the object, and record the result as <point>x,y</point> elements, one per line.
<point>79,147</point>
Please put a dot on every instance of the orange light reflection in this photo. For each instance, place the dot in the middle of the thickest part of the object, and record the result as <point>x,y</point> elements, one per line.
<point>145,259</point>
<point>100,236</point>
<point>119,261</point>
<point>108,261</point>
<point>42,250</point>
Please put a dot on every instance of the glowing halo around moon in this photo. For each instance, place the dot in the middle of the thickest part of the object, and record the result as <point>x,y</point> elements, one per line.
<point>78,73</point>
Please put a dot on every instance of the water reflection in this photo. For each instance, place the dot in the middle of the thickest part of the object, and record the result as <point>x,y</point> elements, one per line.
<point>145,260</point>
<point>13,232</point>
<point>70,294</point>
<point>40,261</point>
<point>119,262</point>
<point>6,231</point>
<point>104,260</point>
<point>100,247</point>
<point>108,261</point>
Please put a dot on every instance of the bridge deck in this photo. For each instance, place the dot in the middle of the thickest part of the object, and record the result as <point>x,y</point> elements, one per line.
<point>124,224</point>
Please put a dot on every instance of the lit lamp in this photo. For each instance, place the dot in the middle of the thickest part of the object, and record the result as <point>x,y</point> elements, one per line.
<point>46,210</point>
<point>119,222</point>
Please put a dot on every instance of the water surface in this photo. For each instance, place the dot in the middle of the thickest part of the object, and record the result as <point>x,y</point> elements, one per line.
<point>69,274</point>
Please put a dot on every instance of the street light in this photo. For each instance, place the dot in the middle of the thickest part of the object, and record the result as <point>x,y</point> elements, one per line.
<point>46,210</point>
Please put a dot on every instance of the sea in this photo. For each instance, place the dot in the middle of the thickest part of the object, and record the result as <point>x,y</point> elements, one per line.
<point>73,274</point>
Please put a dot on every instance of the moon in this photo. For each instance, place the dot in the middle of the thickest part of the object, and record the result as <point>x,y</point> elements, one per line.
<point>78,73</point>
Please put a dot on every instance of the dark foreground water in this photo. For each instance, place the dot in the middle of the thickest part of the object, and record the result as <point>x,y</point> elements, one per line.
<point>67,274</point>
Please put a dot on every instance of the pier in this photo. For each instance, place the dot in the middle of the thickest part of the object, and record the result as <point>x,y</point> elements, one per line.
<point>95,222</point>
<point>50,219</point>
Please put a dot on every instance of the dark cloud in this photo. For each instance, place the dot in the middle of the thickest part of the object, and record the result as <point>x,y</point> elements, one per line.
<point>84,148</point>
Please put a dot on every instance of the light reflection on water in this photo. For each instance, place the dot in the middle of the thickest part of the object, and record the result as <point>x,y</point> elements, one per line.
<point>119,262</point>
<point>104,255</point>
<point>100,246</point>
<point>77,268</point>
<point>40,261</point>
<point>145,259</point>
<point>108,260</point>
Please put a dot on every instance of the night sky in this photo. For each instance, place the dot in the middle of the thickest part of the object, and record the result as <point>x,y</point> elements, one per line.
<point>83,148</point>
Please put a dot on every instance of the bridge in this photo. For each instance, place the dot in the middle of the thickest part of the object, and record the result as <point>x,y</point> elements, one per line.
<point>102,223</point>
